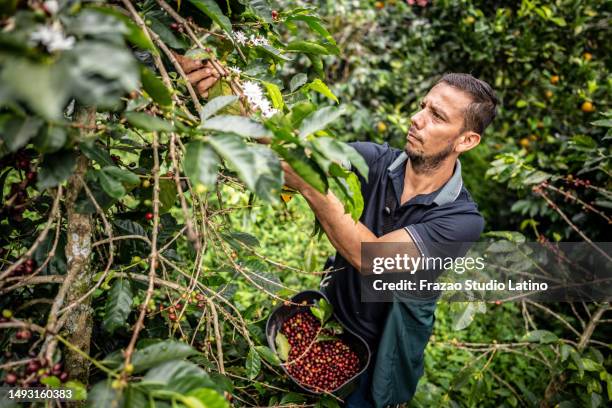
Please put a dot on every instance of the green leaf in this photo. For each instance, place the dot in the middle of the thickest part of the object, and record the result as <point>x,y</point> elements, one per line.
<point>239,125</point>
<point>540,336</point>
<point>307,47</point>
<point>319,120</point>
<point>91,22</point>
<point>50,139</point>
<point>166,35</point>
<point>292,398</point>
<point>155,87</point>
<point>122,175</point>
<point>268,355</point>
<point>208,398</point>
<point>215,105</point>
<point>17,131</point>
<point>575,356</point>
<point>201,163</point>
<point>55,168</point>
<point>212,10</point>
<point>299,111</point>
<point>275,95</point>
<point>79,392</point>
<point>590,365</point>
<point>304,167</point>
<point>603,123</point>
<point>269,174</point>
<point>297,81</point>
<point>134,397</point>
<point>341,153</point>
<point>148,122</point>
<point>161,352</point>
<point>52,381</point>
<point>274,52</point>
<point>319,86</point>
<point>323,310</point>
<point>235,151</point>
<point>95,153</point>
<point>315,25</point>
<point>463,314</point>
<point>282,346</point>
<point>101,73</point>
<point>118,305</point>
<point>261,9</point>
<point>167,195</point>
<point>135,34</point>
<point>46,95</point>
<point>536,177</point>
<point>253,364</point>
<point>103,395</point>
<point>178,376</point>
<point>110,186</point>
<point>356,197</point>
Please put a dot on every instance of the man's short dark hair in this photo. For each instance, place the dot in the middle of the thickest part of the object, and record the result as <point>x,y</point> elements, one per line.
<point>480,113</point>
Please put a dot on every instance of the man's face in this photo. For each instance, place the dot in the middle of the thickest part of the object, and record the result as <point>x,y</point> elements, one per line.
<point>435,129</point>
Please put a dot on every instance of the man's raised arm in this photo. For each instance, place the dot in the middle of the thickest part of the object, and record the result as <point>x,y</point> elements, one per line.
<point>344,233</point>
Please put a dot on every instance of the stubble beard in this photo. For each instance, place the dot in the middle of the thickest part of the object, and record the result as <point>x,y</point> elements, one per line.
<point>426,164</point>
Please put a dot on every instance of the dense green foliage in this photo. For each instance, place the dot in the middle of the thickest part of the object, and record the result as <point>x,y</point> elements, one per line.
<point>143,242</point>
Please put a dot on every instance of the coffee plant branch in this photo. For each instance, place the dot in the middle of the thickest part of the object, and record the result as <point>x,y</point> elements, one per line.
<point>53,215</point>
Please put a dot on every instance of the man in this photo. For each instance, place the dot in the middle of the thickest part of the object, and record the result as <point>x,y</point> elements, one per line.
<point>415,196</point>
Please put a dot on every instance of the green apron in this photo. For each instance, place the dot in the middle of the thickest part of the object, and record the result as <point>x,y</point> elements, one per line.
<point>399,361</point>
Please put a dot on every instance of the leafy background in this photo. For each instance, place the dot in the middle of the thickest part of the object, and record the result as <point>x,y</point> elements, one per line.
<point>112,112</point>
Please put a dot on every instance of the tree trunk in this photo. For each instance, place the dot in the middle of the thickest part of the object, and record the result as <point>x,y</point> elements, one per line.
<point>78,325</point>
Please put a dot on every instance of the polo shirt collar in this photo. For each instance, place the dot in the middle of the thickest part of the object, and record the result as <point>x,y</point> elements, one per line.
<point>447,194</point>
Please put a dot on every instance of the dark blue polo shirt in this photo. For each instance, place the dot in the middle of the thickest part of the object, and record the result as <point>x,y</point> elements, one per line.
<point>443,216</point>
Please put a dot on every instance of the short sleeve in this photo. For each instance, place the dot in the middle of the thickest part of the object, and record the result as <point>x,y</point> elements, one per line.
<point>447,236</point>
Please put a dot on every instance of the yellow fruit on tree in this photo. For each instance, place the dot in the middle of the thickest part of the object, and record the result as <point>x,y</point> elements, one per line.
<point>587,56</point>
<point>554,79</point>
<point>549,94</point>
<point>146,183</point>
<point>524,142</point>
<point>200,188</point>
<point>379,5</point>
<point>381,126</point>
<point>533,137</point>
<point>587,107</point>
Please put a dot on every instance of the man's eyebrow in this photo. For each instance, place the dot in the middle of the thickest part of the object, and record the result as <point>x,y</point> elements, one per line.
<point>439,111</point>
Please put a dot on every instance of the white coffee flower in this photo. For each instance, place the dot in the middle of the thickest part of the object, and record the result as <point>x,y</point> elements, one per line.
<point>240,37</point>
<point>53,38</point>
<point>256,98</point>
<point>258,41</point>
<point>52,6</point>
<point>235,70</point>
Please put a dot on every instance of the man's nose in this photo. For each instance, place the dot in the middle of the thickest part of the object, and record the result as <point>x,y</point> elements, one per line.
<point>417,119</point>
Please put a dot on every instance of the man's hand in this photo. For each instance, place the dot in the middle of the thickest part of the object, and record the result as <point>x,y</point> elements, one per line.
<point>201,74</point>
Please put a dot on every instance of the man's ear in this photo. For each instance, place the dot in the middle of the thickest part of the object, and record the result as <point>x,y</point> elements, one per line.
<point>467,141</point>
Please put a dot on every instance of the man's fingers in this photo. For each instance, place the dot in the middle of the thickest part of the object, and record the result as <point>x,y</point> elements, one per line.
<point>206,84</point>
<point>188,64</point>
<point>200,74</point>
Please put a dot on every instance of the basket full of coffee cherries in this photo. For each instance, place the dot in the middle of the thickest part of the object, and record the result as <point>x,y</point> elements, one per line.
<point>317,352</point>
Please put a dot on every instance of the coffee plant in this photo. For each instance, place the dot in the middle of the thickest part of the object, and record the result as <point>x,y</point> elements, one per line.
<point>123,124</point>
<point>146,233</point>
